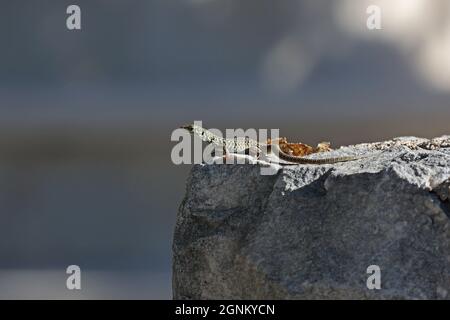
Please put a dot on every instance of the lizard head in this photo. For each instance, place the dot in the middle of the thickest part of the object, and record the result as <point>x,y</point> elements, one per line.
<point>188,127</point>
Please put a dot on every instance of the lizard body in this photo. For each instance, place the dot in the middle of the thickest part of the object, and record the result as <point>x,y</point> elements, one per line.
<point>240,144</point>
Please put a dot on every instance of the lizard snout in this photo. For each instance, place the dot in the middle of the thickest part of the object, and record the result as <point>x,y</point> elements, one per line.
<point>187,127</point>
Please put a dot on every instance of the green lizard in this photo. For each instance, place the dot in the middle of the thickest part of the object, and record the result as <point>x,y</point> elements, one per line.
<point>241,144</point>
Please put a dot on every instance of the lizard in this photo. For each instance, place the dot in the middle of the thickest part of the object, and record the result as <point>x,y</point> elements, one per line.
<point>241,144</point>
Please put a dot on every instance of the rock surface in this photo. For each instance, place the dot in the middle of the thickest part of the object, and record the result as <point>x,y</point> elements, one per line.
<point>311,231</point>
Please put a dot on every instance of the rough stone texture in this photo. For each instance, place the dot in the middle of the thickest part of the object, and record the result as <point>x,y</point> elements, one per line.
<point>311,231</point>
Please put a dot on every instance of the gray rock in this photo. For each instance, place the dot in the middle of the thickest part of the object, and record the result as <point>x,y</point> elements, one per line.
<point>311,231</point>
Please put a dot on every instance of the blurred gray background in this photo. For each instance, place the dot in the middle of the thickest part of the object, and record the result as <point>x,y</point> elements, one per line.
<point>86,116</point>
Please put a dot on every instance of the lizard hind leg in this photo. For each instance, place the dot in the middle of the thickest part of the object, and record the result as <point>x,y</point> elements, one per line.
<point>253,154</point>
<point>253,151</point>
<point>256,152</point>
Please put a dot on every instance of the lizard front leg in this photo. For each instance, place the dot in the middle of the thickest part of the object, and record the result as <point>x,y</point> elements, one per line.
<point>226,155</point>
<point>239,157</point>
